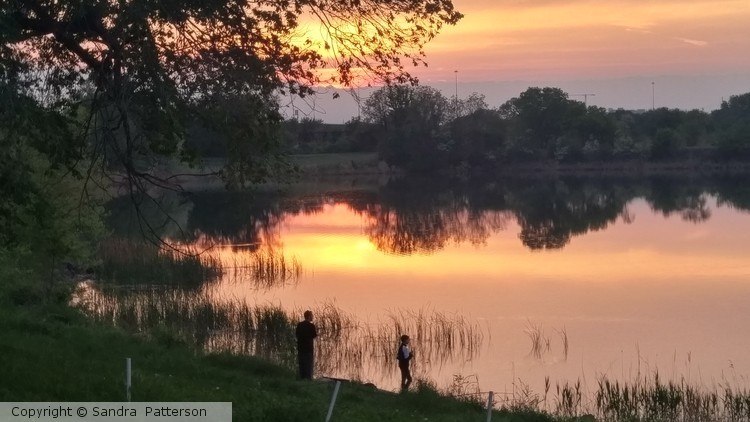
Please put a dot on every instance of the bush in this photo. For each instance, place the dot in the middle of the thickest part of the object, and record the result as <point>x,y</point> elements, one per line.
<point>664,144</point>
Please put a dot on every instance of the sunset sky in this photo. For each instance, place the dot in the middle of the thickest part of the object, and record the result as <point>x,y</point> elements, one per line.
<point>696,52</point>
<point>561,39</point>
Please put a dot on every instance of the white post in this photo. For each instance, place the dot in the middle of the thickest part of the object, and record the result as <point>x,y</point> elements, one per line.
<point>490,402</point>
<point>127,378</point>
<point>333,400</point>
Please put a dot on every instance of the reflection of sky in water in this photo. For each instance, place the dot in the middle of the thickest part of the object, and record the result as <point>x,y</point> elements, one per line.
<point>658,293</point>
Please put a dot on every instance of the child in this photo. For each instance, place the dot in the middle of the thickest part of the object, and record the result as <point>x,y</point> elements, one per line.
<point>404,356</point>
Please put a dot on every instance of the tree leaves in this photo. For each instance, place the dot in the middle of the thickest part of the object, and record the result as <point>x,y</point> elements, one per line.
<point>151,64</point>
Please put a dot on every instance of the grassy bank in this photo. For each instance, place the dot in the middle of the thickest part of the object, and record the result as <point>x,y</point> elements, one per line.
<point>634,167</point>
<point>52,352</point>
<point>347,347</point>
<point>314,171</point>
<point>341,163</point>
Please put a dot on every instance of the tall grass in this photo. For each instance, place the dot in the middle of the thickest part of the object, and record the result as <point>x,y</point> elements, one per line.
<point>652,399</point>
<point>541,344</point>
<point>346,347</point>
<point>126,261</point>
<point>568,399</point>
<point>235,327</point>
<point>369,347</point>
<point>646,399</point>
<point>262,269</point>
<point>135,262</point>
<point>439,336</point>
<point>563,333</point>
<point>538,339</point>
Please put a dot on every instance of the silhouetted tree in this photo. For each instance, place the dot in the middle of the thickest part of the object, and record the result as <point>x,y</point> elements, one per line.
<point>732,123</point>
<point>411,120</point>
<point>130,77</point>
<point>478,138</point>
<point>537,119</point>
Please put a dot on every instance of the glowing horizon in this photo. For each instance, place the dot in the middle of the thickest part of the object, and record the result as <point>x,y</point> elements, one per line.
<point>694,50</point>
<point>548,39</point>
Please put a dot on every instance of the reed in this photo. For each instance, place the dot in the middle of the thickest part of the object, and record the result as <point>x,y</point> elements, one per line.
<point>347,347</point>
<point>262,269</point>
<point>136,262</point>
<point>522,399</point>
<point>235,327</point>
<point>126,261</point>
<point>568,399</point>
<point>539,342</point>
<point>563,333</point>
<point>367,349</point>
<point>645,399</point>
<point>652,399</point>
<point>351,348</point>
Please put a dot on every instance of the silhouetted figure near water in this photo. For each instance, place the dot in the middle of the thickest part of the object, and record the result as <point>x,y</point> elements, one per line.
<point>404,357</point>
<point>306,333</point>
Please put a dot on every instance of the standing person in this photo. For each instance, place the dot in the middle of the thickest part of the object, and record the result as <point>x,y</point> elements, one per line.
<point>306,333</point>
<point>404,357</point>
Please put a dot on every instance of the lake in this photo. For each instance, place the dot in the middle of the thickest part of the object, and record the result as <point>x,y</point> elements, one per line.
<point>504,282</point>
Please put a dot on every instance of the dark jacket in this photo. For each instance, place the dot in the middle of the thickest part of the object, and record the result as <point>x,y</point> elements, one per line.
<point>401,356</point>
<point>305,332</point>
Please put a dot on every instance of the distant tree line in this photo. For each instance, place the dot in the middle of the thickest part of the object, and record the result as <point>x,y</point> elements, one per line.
<point>311,136</point>
<point>420,129</point>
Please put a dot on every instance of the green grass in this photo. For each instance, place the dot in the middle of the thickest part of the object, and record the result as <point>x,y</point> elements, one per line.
<point>332,161</point>
<point>52,352</point>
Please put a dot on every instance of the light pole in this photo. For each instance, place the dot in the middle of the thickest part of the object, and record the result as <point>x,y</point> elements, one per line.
<point>653,96</point>
<point>585,98</point>
<point>455,102</point>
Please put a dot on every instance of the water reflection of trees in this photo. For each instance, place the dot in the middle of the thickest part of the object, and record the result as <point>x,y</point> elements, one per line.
<point>406,231</point>
<point>550,213</point>
<point>668,197</point>
<point>410,216</point>
<point>250,219</point>
<point>734,192</point>
<point>246,219</point>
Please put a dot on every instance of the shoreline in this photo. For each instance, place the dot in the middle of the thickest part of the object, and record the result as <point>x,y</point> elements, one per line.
<point>366,171</point>
<point>631,167</point>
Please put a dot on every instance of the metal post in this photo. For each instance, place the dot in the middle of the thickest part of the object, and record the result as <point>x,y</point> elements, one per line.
<point>455,102</point>
<point>127,377</point>
<point>490,403</point>
<point>333,400</point>
<point>653,97</point>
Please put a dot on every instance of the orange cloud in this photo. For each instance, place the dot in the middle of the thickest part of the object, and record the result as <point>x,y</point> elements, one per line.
<point>564,39</point>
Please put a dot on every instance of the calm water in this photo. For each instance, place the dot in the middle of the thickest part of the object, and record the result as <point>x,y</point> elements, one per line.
<point>616,277</point>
